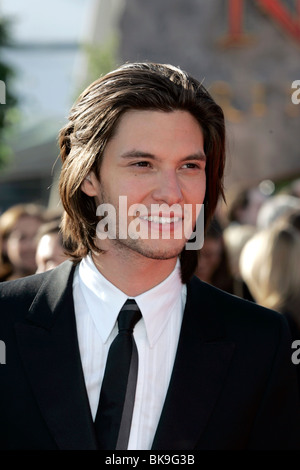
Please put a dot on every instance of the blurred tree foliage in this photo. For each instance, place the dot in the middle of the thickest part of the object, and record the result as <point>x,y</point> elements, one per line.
<point>101,59</point>
<point>8,111</point>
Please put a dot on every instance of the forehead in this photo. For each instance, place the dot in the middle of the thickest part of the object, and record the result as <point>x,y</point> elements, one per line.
<point>146,118</point>
<point>26,224</point>
<point>149,129</point>
<point>48,242</point>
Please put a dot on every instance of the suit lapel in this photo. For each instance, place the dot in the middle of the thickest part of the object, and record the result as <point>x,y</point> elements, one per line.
<point>200,368</point>
<point>49,348</point>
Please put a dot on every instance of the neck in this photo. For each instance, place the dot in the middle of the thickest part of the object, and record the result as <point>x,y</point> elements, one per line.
<point>135,275</point>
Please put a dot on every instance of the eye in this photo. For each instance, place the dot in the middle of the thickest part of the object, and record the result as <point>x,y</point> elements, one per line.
<point>191,166</point>
<point>142,164</point>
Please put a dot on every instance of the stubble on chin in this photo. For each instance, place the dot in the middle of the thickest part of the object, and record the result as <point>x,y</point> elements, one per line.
<point>127,247</point>
<point>140,248</point>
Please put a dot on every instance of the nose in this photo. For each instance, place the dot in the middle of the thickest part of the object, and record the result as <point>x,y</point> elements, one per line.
<point>168,189</point>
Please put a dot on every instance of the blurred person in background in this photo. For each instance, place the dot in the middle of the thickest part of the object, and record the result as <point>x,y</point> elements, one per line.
<point>295,188</point>
<point>235,237</point>
<point>269,264</point>
<point>18,228</point>
<point>215,266</point>
<point>244,205</point>
<point>290,221</point>
<point>291,217</point>
<point>274,208</point>
<point>50,251</point>
<point>292,189</point>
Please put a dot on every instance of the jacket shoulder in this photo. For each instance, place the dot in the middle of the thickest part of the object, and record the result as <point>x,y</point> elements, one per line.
<point>233,310</point>
<point>23,287</point>
<point>17,295</point>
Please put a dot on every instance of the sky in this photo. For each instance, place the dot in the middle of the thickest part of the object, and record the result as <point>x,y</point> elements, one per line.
<point>46,21</point>
<point>45,77</point>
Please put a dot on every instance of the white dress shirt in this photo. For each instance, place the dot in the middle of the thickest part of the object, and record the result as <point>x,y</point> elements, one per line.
<point>97,305</point>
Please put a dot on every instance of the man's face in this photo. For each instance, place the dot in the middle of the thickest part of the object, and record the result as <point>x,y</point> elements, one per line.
<point>154,158</point>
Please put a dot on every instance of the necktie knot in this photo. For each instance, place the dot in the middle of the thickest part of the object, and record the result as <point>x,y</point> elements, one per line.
<point>129,315</point>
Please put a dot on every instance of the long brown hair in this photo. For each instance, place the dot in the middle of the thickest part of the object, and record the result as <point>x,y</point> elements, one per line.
<point>92,123</point>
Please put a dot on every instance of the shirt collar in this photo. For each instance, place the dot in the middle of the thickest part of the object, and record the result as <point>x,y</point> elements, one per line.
<point>104,300</point>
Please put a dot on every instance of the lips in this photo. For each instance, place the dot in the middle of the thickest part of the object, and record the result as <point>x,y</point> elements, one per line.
<point>161,220</point>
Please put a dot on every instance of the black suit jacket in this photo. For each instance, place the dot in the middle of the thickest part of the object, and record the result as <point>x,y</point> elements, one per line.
<point>233,385</point>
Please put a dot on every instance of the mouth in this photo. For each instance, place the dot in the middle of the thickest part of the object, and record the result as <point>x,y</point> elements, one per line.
<point>161,220</point>
<point>165,226</point>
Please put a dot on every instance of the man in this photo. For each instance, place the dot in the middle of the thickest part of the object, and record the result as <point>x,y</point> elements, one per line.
<point>214,371</point>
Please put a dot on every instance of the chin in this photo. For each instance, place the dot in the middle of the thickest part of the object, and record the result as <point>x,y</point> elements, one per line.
<point>155,252</point>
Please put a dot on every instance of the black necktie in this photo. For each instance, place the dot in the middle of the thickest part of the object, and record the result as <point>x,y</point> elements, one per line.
<point>114,413</point>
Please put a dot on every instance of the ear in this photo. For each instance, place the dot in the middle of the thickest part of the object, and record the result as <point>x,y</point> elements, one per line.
<point>90,185</point>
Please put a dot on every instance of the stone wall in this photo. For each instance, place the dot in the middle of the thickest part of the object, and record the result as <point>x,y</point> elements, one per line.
<point>251,80</point>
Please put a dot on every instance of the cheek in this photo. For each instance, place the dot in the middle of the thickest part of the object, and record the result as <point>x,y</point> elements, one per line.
<point>28,247</point>
<point>134,191</point>
<point>196,197</point>
<point>195,190</point>
<point>203,186</point>
<point>13,249</point>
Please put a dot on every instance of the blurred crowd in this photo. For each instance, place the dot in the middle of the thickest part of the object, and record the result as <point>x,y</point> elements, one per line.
<point>30,241</point>
<point>251,248</point>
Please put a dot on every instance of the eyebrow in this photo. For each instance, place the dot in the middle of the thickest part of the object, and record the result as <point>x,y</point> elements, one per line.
<point>140,154</point>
